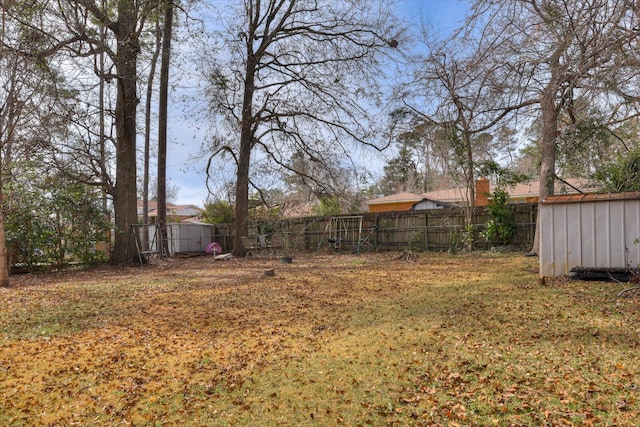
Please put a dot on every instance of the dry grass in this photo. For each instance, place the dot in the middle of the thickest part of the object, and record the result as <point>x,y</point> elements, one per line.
<point>329,340</point>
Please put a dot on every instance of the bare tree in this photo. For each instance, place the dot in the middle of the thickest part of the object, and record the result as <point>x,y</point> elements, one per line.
<point>314,183</point>
<point>556,49</point>
<point>301,73</point>
<point>429,148</point>
<point>457,90</point>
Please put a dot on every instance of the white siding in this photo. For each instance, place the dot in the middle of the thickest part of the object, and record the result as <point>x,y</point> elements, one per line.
<point>426,205</point>
<point>589,234</point>
<point>185,237</point>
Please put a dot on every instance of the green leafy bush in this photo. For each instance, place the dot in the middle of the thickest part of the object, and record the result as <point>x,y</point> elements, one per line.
<point>219,212</point>
<point>329,206</point>
<point>502,226</point>
<point>56,225</point>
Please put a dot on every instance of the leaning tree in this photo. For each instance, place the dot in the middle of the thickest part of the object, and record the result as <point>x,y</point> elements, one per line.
<point>557,51</point>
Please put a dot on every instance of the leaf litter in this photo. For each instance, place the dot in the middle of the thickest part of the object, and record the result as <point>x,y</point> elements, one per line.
<point>470,339</point>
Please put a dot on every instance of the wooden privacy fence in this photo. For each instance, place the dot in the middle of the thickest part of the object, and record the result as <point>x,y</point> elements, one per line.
<point>432,230</point>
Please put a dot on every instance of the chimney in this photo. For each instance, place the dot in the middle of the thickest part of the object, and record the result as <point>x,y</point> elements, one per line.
<point>483,191</point>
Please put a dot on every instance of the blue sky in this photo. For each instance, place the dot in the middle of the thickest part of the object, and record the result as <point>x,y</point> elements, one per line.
<point>185,140</point>
<point>443,15</point>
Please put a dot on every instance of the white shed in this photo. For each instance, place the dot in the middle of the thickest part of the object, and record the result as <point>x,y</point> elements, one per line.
<point>189,237</point>
<point>598,231</point>
<point>183,237</point>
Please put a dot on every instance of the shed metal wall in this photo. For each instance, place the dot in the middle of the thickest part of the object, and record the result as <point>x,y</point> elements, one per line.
<point>185,237</point>
<point>598,234</point>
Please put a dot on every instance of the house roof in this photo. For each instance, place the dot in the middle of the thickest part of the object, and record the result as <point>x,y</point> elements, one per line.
<point>449,195</point>
<point>424,202</point>
<point>174,210</point>
<point>406,197</point>
<point>532,189</point>
<point>403,197</point>
<point>457,195</point>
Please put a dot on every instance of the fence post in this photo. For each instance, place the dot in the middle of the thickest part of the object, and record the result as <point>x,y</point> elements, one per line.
<point>426,230</point>
<point>532,222</point>
<point>394,227</point>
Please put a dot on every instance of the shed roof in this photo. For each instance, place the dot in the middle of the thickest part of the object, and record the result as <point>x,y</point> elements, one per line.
<point>591,197</point>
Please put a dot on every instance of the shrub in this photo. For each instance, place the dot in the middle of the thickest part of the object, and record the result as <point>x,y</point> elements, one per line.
<point>502,226</point>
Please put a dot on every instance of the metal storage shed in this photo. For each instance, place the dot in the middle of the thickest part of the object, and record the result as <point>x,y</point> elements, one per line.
<point>598,231</point>
<point>183,237</point>
<point>188,237</point>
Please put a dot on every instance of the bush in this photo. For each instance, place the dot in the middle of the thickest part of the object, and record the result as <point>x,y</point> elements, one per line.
<point>219,212</point>
<point>502,226</point>
<point>329,206</point>
<point>56,225</point>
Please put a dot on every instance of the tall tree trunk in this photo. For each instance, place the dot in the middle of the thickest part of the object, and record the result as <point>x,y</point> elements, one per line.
<point>125,196</point>
<point>549,133</point>
<point>4,258</point>
<point>8,122</point>
<point>4,253</point>
<point>162,137</point>
<point>147,138</point>
<point>469,232</point>
<point>103,139</point>
<point>244,156</point>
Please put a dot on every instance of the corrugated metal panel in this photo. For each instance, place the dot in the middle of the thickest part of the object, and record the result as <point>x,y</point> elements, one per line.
<point>589,233</point>
<point>601,235</point>
<point>573,223</point>
<point>185,237</point>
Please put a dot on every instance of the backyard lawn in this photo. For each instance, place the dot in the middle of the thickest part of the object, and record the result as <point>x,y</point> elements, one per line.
<point>471,339</point>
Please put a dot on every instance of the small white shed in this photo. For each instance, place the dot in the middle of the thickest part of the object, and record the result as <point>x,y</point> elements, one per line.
<point>599,231</point>
<point>189,237</point>
<point>183,237</point>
